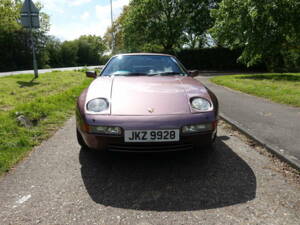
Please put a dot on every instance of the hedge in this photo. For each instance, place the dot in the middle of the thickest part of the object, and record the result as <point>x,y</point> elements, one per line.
<point>214,59</point>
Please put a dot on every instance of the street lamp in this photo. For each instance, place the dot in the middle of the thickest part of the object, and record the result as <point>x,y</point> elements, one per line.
<point>112,28</point>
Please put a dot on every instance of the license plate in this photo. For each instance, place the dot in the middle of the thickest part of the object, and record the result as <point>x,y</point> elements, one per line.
<point>151,135</point>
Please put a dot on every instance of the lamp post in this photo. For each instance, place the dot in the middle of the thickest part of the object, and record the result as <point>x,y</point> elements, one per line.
<point>112,29</point>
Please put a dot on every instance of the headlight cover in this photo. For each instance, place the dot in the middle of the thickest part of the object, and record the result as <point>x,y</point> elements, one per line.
<point>97,105</point>
<point>106,130</point>
<point>197,128</point>
<point>201,104</point>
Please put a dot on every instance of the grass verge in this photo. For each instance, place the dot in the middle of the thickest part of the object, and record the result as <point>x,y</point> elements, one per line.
<point>46,102</point>
<point>282,88</point>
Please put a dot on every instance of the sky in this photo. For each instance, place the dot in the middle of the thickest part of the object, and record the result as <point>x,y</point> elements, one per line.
<point>70,19</point>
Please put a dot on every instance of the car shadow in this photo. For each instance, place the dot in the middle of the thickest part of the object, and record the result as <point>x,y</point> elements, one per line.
<point>180,181</point>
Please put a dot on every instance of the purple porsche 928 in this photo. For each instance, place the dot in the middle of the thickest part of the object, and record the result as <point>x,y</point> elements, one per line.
<point>146,103</point>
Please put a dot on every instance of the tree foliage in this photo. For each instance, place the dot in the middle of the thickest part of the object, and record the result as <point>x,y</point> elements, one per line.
<point>266,30</point>
<point>117,31</point>
<point>263,30</point>
<point>86,50</point>
<point>15,42</point>
<point>15,45</point>
<point>90,49</point>
<point>155,22</point>
<point>161,25</point>
<point>198,20</point>
<point>10,35</point>
<point>53,51</point>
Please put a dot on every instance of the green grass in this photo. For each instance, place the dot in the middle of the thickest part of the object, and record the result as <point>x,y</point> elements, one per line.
<point>47,101</point>
<point>282,88</point>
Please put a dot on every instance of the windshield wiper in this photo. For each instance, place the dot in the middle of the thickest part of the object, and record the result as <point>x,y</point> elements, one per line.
<point>129,74</point>
<point>166,74</point>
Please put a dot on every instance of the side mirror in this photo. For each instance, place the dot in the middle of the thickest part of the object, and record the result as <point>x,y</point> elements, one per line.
<point>91,74</point>
<point>194,73</point>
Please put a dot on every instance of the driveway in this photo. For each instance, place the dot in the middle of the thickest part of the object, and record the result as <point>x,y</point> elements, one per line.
<point>276,125</point>
<point>59,183</point>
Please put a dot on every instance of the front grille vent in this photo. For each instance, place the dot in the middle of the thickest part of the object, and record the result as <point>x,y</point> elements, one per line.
<point>149,148</point>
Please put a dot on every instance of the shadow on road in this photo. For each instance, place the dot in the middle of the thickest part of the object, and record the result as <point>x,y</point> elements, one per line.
<point>168,182</point>
<point>27,83</point>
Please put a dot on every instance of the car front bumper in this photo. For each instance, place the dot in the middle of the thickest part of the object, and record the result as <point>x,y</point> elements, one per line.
<point>117,143</point>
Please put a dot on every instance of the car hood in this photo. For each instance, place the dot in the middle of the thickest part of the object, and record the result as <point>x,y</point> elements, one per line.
<point>145,95</point>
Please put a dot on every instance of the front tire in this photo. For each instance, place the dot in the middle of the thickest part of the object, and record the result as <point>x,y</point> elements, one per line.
<point>209,148</point>
<point>81,141</point>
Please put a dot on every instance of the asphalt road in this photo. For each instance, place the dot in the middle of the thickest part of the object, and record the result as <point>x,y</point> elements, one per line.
<point>274,124</point>
<point>59,183</point>
<point>4,74</point>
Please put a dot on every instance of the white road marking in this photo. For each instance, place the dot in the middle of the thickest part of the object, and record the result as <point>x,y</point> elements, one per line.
<point>22,200</point>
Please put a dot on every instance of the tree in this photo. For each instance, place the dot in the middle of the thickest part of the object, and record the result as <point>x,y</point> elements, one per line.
<point>14,40</point>
<point>86,50</point>
<point>163,25</point>
<point>117,30</point>
<point>69,51</point>
<point>16,50</point>
<point>9,35</point>
<point>40,38</point>
<point>154,23</point>
<point>53,51</point>
<point>90,50</point>
<point>198,21</point>
<point>266,30</point>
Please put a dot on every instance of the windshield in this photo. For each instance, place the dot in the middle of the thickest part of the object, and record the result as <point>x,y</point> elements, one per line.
<point>143,65</point>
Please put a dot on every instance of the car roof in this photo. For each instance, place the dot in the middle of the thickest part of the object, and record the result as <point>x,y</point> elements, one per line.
<point>144,53</point>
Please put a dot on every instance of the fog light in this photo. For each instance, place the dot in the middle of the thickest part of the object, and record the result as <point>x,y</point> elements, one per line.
<point>105,130</point>
<point>197,128</point>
